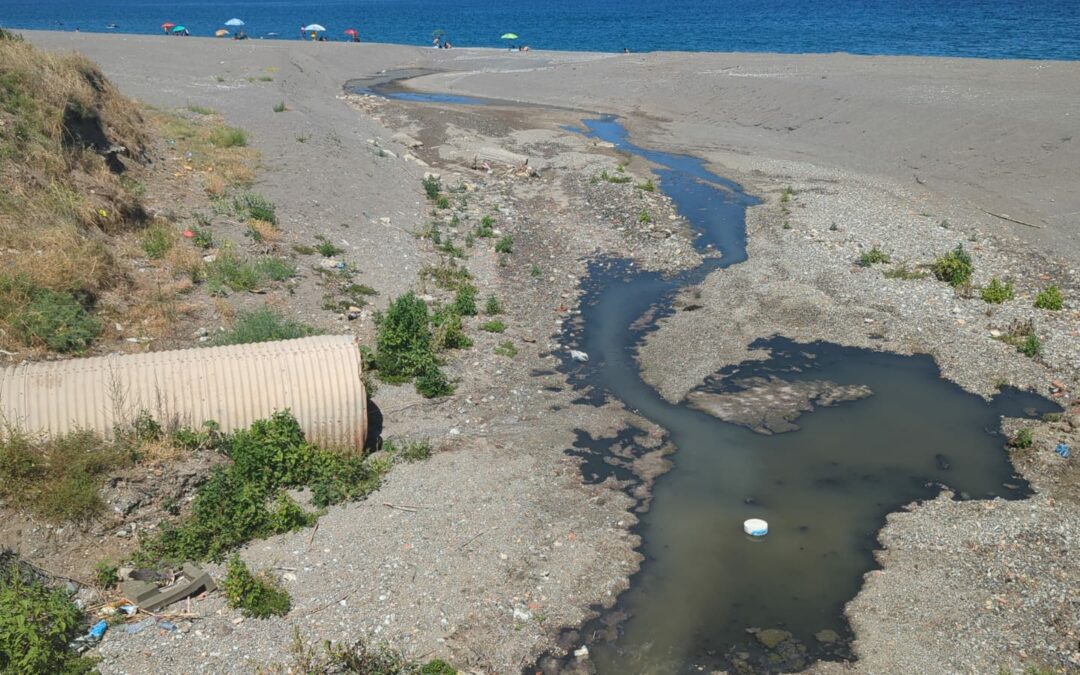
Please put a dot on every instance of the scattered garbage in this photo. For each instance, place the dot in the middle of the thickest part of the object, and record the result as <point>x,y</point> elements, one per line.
<point>192,580</point>
<point>133,628</point>
<point>1063,450</point>
<point>755,527</point>
<point>582,652</point>
<point>92,637</point>
<point>579,356</point>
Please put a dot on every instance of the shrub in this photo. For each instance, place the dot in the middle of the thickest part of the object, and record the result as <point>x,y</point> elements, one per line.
<point>1050,298</point>
<point>494,326</point>
<point>243,501</point>
<point>449,276</point>
<point>1030,347</point>
<point>256,596</point>
<point>647,186</point>
<point>872,257</point>
<point>255,207</point>
<point>449,332</point>
<point>263,325</point>
<point>493,306</point>
<point>432,186</point>
<point>403,339</point>
<point>997,292</point>
<point>36,625</point>
<point>229,137</point>
<point>486,228</point>
<point>105,574</point>
<point>156,241</point>
<point>644,217</point>
<point>954,267</point>
<point>442,202</point>
<point>229,272</point>
<point>279,107</point>
<point>506,348</point>
<point>41,317</point>
<point>327,249</point>
<point>465,300</point>
<point>505,244</point>
<point>433,383</point>
<point>1022,439</point>
<point>203,238</point>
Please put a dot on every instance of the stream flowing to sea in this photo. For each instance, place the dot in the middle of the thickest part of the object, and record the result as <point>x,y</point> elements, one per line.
<point>705,589</point>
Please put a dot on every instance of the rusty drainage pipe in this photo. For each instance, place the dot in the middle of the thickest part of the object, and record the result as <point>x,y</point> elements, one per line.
<point>317,378</point>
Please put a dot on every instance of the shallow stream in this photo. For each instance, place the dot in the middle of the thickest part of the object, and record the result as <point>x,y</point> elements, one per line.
<point>707,595</point>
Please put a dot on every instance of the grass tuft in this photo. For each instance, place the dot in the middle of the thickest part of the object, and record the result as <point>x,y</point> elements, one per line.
<point>263,325</point>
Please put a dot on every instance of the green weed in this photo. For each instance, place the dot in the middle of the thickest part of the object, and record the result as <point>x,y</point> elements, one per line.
<point>955,267</point>
<point>505,244</point>
<point>873,257</point>
<point>229,137</point>
<point>257,596</point>
<point>493,326</point>
<point>1050,298</point>
<point>263,325</point>
<point>997,292</point>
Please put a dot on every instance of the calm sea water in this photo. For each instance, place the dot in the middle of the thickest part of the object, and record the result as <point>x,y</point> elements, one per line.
<point>1032,29</point>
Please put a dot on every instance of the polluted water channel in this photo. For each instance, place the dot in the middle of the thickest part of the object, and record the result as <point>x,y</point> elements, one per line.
<point>877,431</point>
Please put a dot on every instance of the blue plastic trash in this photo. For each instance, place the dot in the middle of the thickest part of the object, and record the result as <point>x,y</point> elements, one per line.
<point>1063,450</point>
<point>98,630</point>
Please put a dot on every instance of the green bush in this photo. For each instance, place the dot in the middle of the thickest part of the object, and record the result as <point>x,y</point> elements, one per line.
<point>432,186</point>
<point>229,137</point>
<point>1050,298</point>
<point>437,667</point>
<point>244,500</point>
<point>36,625</point>
<point>1030,347</point>
<point>644,217</point>
<point>872,257</point>
<point>279,106</point>
<point>105,574</point>
<point>229,272</point>
<point>506,348</point>
<point>41,317</point>
<point>1022,439</point>
<point>997,292</point>
<point>505,244</point>
<point>433,383</point>
<point>647,186</point>
<point>954,267</point>
<point>465,300</point>
<point>156,241</point>
<point>256,596</point>
<point>203,238</point>
<point>442,202</point>
<point>256,207</point>
<point>494,326</point>
<point>486,228</point>
<point>403,339</point>
<point>263,325</point>
<point>493,306</point>
<point>448,333</point>
<point>327,249</point>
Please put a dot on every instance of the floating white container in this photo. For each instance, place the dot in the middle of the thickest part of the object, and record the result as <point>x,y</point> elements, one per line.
<point>755,527</point>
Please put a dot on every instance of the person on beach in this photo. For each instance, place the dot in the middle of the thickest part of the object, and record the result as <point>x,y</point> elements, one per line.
<point>437,42</point>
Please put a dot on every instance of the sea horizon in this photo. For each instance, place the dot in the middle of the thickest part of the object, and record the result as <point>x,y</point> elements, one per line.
<point>1006,29</point>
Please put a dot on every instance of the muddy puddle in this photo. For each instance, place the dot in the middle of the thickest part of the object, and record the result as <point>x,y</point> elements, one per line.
<point>819,440</point>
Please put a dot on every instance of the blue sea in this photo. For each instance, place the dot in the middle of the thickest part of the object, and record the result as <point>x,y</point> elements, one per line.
<point>1029,29</point>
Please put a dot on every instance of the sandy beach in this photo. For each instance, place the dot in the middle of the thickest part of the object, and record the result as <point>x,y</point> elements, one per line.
<point>509,550</point>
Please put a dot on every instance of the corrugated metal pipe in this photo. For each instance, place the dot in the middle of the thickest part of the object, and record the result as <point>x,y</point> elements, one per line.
<point>317,378</point>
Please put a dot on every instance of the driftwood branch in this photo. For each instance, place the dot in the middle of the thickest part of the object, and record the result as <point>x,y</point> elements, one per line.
<point>1011,219</point>
<point>403,507</point>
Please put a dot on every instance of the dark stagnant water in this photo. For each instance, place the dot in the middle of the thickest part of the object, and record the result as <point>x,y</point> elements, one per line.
<point>824,489</point>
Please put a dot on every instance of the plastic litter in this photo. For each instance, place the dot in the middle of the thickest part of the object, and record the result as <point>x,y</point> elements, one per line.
<point>167,625</point>
<point>1063,450</point>
<point>579,356</point>
<point>139,627</point>
<point>755,527</point>
<point>92,637</point>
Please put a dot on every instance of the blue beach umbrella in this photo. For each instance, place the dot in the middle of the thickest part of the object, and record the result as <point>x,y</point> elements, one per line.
<point>178,29</point>
<point>234,22</point>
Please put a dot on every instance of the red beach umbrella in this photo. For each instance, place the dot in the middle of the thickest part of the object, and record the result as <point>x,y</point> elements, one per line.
<point>168,25</point>
<point>353,32</point>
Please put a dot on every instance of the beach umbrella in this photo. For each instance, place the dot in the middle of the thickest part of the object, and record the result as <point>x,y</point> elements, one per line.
<point>313,27</point>
<point>168,25</point>
<point>221,32</point>
<point>234,22</point>
<point>352,32</point>
<point>178,29</point>
<point>508,36</point>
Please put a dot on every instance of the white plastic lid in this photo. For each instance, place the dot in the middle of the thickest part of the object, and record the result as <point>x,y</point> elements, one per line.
<point>755,527</point>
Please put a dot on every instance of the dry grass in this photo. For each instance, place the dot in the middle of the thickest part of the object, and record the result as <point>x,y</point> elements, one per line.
<point>222,165</point>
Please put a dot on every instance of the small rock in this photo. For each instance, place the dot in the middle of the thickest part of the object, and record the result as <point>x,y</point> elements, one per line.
<point>582,652</point>
<point>770,637</point>
<point>579,356</point>
<point>827,636</point>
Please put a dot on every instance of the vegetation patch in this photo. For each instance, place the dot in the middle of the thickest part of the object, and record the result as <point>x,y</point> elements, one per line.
<point>505,244</point>
<point>873,257</point>
<point>228,137</point>
<point>494,326</point>
<point>263,325</point>
<point>229,272</point>
<point>360,657</point>
<point>246,500</point>
<point>1022,336</point>
<point>257,596</point>
<point>36,624</point>
<point>405,345</point>
<point>997,292</point>
<point>955,267</point>
<point>254,206</point>
<point>38,317</point>
<point>1050,298</point>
